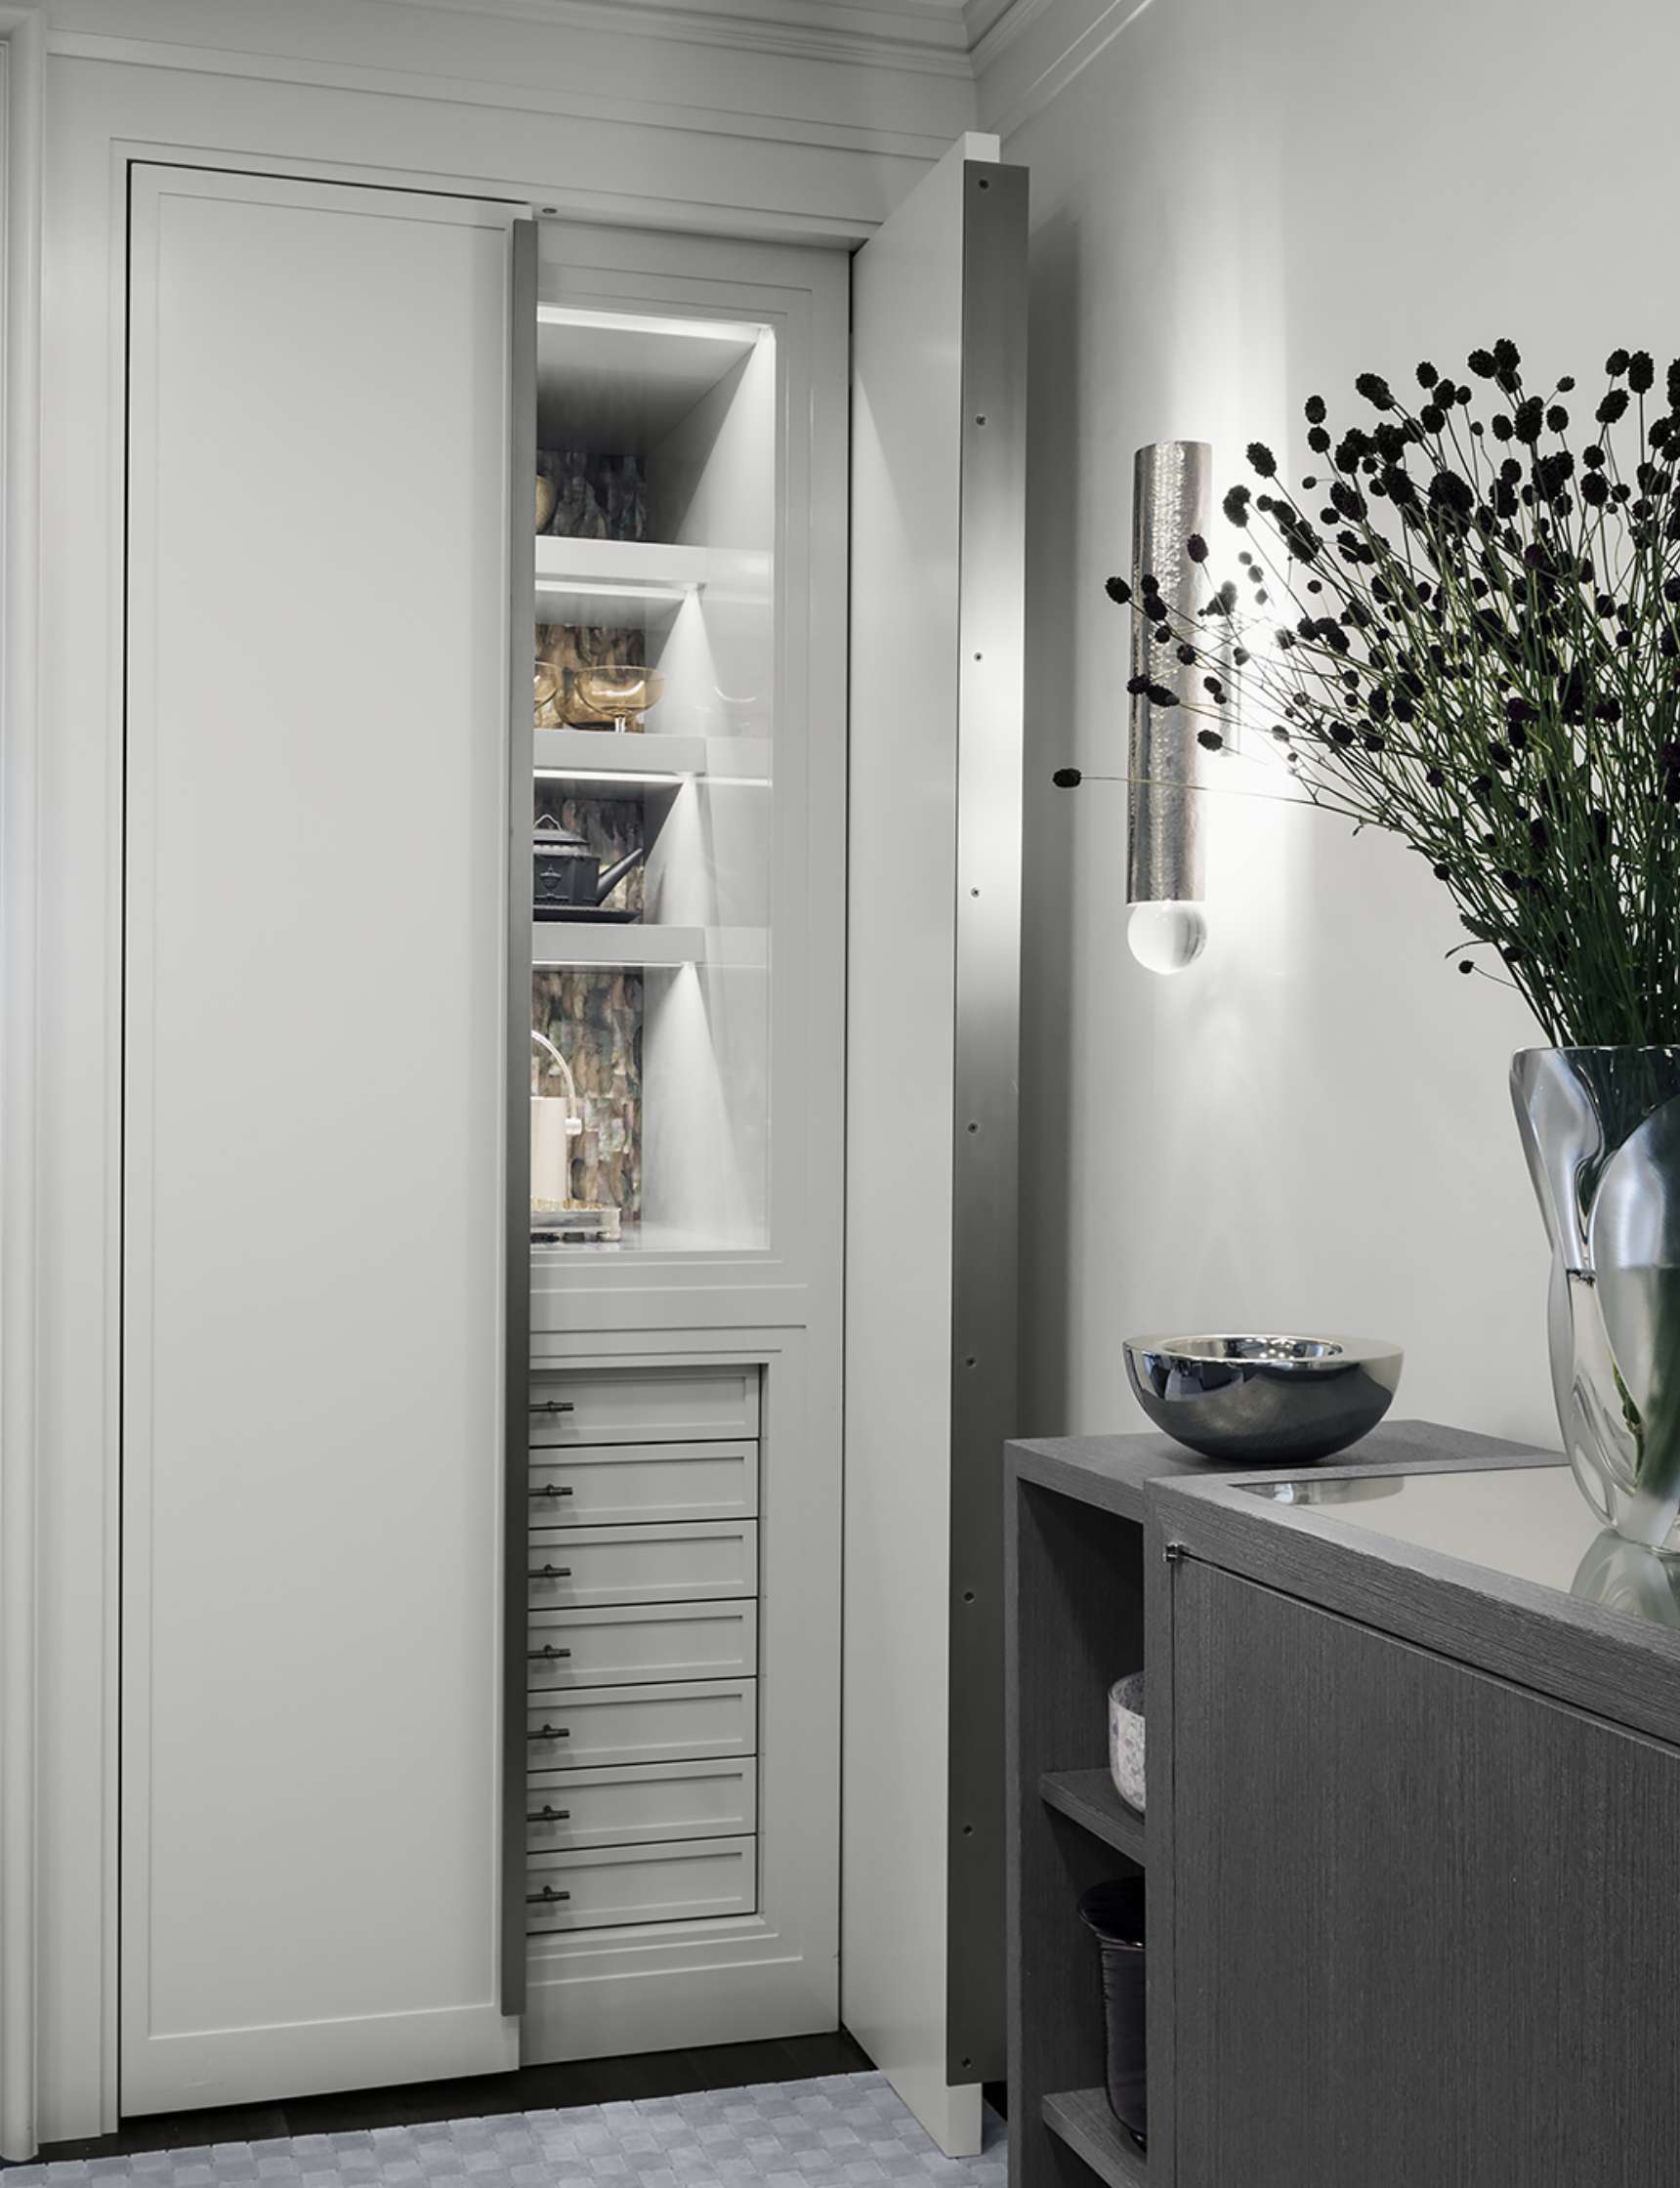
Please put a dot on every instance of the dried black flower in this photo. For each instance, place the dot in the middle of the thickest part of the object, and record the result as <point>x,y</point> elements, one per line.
<point>1472,643</point>
<point>1118,591</point>
<point>1196,547</point>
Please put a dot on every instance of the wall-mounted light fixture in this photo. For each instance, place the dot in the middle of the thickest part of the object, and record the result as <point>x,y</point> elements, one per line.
<point>1172,492</point>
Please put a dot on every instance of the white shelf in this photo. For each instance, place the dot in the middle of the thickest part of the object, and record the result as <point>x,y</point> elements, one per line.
<point>611,943</point>
<point>639,584</point>
<point>585,942</point>
<point>628,581</point>
<point>645,755</point>
<point>584,753</point>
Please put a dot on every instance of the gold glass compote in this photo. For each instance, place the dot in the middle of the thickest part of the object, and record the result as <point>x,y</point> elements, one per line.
<point>619,696</point>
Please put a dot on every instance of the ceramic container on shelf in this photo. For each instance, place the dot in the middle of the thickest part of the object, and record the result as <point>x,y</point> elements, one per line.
<point>1126,1739</point>
<point>1115,1912</point>
<point>1601,1130</point>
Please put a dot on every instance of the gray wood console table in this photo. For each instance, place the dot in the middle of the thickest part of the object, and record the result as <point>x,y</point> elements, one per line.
<point>1413,1833</point>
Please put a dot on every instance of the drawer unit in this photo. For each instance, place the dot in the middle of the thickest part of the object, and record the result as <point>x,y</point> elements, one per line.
<point>683,1721</point>
<point>642,1806</point>
<point>578,1566</point>
<point>605,1888</point>
<point>629,1484</point>
<point>642,1641</point>
<point>643,1406</point>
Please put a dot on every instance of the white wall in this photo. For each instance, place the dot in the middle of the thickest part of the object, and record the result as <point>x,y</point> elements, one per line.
<point>1234,206</point>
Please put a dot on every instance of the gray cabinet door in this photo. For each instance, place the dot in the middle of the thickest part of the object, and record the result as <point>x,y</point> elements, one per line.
<point>1427,1924</point>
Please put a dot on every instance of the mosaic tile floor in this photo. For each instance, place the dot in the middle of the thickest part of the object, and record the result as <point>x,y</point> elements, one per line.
<point>845,2130</point>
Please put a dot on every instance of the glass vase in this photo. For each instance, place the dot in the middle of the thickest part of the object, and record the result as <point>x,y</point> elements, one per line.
<point>1601,1130</point>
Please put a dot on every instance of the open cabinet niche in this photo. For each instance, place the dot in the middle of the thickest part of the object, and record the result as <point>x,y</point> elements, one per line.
<point>654,671</point>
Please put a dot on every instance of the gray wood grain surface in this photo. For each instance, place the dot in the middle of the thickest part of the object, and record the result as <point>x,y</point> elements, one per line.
<point>1427,1929</point>
<point>1073,1597</point>
<point>1083,2119</point>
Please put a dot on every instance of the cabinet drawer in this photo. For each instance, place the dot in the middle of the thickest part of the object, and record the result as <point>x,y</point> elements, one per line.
<point>575,1567</point>
<point>628,1484</point>
<point>643,1406</point>
<point>605,1888</point>
<point>641,1806</point>
<point>642,1641</point>
<point>686,1721</point>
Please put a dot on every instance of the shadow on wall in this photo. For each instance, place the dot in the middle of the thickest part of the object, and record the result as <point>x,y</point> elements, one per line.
<point>1054,429</point>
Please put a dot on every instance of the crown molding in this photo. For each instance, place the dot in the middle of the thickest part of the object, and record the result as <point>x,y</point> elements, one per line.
<point>931,37</point>
<point>1036,49</point>
<point>947,37</point>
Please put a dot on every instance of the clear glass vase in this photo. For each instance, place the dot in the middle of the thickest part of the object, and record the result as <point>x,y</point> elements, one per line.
<point>1601,1130</point>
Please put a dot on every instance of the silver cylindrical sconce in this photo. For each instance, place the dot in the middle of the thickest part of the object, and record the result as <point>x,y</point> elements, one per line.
<point>1172,496</point>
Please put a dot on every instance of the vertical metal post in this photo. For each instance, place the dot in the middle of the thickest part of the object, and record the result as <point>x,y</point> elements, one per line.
<point>990,614</point>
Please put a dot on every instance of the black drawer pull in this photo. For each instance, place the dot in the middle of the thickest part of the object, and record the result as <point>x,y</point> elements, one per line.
<point>547,1897</point>
<point>551,1731</point>
<point>553,1405</point>
<point>547,1654</point>
<point>548,1489</point>
<point>550,1572</point>
<point>547,1815</point>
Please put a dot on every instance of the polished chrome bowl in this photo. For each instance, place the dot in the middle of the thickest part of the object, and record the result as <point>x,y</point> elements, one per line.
<point>1260,1401</point>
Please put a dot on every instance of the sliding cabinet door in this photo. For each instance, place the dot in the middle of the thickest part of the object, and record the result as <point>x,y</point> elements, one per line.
<point>938,435</point>
<point>317,1301</point>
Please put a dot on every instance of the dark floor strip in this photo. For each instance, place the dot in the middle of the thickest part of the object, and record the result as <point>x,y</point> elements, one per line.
<point>651,2073</point>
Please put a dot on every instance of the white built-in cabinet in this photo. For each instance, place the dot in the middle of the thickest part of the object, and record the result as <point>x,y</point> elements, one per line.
<point>482,1513</point>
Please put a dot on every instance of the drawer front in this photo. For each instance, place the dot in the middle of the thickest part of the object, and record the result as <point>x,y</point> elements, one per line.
<point>606,1887</point>
<point>643,1406</point>
<point>578,1566</point>
<point>642,1641</point>
<point>630,1483</point>
<point>642,1806</point>
<point>688,1721</point>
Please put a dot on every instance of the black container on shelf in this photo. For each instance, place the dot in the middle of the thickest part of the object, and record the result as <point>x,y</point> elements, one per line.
<point>1115,1913</point>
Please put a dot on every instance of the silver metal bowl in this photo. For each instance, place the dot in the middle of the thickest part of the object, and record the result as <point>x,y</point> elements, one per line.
<point>1261,1401</point>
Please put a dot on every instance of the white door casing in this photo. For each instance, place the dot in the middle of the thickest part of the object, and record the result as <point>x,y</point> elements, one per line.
<point>313,1138</point>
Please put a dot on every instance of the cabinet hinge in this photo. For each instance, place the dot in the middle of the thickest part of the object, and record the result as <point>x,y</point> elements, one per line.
<point>1174,1553</point>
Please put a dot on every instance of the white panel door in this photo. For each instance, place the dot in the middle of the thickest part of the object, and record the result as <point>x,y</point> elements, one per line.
<point>938,428</point>
<point>314,1139</point>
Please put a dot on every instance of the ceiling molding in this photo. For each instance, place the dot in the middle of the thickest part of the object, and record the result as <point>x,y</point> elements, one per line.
<point>926,35</point>
<point>1062,39</point>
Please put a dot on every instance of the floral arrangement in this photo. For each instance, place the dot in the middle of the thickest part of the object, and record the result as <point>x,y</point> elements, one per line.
<point>1465,629</point>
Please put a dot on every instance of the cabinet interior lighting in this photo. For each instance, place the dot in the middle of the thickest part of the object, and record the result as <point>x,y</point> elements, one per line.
<point>743,331</point>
